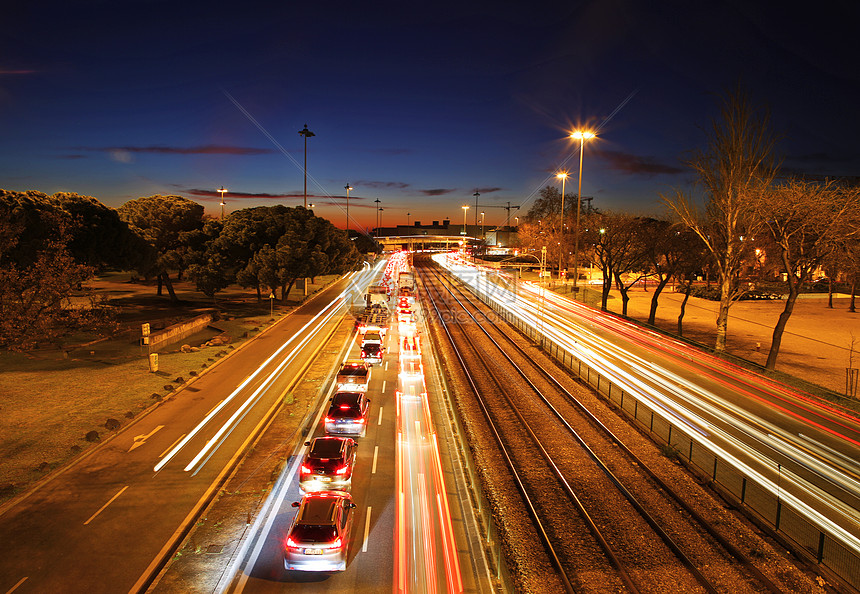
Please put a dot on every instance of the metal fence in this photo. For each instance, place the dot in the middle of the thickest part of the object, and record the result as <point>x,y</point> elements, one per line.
<point>773,514</point>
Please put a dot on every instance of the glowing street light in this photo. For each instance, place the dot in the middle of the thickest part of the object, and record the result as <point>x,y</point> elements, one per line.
<point>307,134</point>
<point>347,187</point>
<point>582,136</point>
<point>222,191</point>
<point>563,177</point>
<point>482,226</point>
<point>465,208</point>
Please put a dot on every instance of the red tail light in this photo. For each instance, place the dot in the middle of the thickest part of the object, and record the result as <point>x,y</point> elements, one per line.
<point>335,544</point>
<point>292,544</point>
<point>345,407</point>
<point>342,469</point>
<point>329,420</point>
<point>306,470</point>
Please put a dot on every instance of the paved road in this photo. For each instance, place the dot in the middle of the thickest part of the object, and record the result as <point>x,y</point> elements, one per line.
<point>106,523</point>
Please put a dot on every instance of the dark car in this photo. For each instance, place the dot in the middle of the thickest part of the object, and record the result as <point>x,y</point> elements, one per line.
<point>372,352</point>
<point>318,539</point>
<point>347,414</point>
<point>328,464</point>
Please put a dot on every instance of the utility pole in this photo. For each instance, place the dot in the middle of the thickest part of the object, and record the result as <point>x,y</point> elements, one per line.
<point>476,194</point>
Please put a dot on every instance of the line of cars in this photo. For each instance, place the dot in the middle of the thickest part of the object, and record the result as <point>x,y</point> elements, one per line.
<point>318,539</point>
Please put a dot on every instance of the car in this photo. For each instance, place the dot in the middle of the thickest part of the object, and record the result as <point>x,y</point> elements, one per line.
<point>328,464</point>
<point>372,352</point>
<point>347,414</point>
<point>353,376</point>
<point>318,539</point>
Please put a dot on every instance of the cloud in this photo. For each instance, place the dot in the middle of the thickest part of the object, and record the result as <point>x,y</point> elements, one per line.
<point>2,72</point>
<point>382,185</point>
<point>488,190</point>
<point>208,149</point>
<point>638,165</point>
<point>437,191</point>
<point>231,195</point>
<point>71,156</point>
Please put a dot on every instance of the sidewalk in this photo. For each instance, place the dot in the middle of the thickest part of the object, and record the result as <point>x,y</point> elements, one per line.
<point>816,346</point>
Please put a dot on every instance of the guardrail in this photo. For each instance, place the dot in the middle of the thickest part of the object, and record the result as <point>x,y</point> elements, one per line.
<point>772,514</point>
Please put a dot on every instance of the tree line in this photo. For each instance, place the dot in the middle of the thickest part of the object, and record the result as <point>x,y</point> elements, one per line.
<point>50,246</point>
<point>742,221</point>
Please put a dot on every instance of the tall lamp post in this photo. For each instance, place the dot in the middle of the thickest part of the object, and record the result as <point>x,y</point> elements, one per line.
<point>563,177</point>
<point>222,191</point>
<point>465,208</point>
<point>307,134</point>
<point>377,217</point>
<point>407,218</point>
<point>582,136</point>
<point>347,187</point>
<point>482,226</point>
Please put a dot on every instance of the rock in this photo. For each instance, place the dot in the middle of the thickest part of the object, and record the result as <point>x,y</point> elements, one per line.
<point>168,387</point>
<point>75,448</point>
<point>43,466</point>
<point>129,415</point>
<point>185,348</point>
<point>112,424</point>
<point>192,373</point>
<point>179,380</point>
<point>195,349</point>
<point>92,436</point>
<point>155,396</point>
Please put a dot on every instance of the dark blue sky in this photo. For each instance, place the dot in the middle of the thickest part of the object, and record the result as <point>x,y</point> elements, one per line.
<point>417,105</point>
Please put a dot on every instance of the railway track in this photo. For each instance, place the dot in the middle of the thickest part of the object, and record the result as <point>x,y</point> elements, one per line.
<point>596,508</point>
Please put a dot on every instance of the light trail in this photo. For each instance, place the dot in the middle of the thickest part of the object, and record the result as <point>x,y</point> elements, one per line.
<point>365,277</point>
<point>678,400</point>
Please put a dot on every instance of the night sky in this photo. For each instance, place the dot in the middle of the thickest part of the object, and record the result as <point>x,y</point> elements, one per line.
<point>416,104</point>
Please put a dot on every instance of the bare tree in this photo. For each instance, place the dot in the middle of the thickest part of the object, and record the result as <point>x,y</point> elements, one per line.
<point>806,221</point>
<point>735,165</point>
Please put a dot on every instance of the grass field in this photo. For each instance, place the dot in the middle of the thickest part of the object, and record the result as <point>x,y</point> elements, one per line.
<point>50,398</point>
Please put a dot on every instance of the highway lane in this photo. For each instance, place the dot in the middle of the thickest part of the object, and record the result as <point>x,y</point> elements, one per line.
<point>398,486</point>
<point>260,562</point>
<point>107,522</point>
<point>799,450</point>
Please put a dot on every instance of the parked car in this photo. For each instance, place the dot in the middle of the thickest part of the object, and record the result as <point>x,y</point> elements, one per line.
<point>347,414</point>
<point>318,539</point>
<point>328,464</point>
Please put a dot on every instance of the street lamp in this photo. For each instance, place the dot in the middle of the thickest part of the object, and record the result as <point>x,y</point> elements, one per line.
<point>307,134</point>
<point>563,177</point>
<point>407,218</point>
<point>347,187</point>
<point>465,208</point>
<point>377,216</point>
<point>582,136</point>
<point>517,219</point>
<point>482,226</point>
<point>222,191</point>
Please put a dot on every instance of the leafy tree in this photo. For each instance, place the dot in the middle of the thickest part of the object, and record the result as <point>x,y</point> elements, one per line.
<point>735,166</point>
<point>94,233</point>
<point>36,298</point>
<point>172,226</point>
<point>615,249</point>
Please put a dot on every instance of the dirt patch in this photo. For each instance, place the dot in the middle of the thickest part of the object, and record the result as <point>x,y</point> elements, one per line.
<point>52,397</point>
